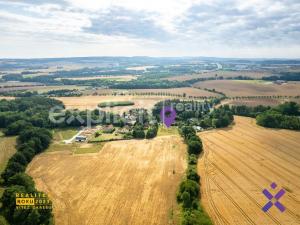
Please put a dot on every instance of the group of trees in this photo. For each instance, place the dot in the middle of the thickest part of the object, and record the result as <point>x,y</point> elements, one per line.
<point>189,191</point>
<point>25,112</point>
<point>243,110</point>
<point>20,93</point>
<point>30,142</point>
<point>288,76</point>
<point>184,109</point>
<point>139,133</point>
<point>64,93</point>
<point>191,139</point>
<point>17,114</point>
<point>152,131</point>
<point>218,118</point>
<point>284,116</point>
<point>197,113</point>
<point>147,84</point>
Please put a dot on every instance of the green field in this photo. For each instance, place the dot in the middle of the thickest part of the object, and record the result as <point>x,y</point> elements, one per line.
<point>164,131</point>
<point>114,104</point>
<point>107,137</point>
<point>60,135</point>
<point>89,148</point>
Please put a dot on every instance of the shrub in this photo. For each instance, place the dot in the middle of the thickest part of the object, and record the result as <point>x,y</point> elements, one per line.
<point>138,133</point>
<point>192,174</point>
<point>194,147</point>
<point>151,132</point>
<point>189,186</point>
<point>193,159</point>
<point>186,199</point>
<point>195,217</point>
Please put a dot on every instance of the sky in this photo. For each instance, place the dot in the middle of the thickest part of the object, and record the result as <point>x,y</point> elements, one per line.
<point>219,28</point>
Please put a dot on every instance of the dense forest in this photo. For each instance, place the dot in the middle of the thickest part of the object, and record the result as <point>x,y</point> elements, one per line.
<point>286,115</point>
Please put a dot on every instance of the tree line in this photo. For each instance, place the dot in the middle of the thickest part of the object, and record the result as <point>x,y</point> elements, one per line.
<point>287,76</point>
<point>30,142</point>
<point>188,194</point>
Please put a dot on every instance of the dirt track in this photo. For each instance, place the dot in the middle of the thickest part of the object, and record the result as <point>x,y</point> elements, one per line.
<point>127,182</point>
<point>239,162</point>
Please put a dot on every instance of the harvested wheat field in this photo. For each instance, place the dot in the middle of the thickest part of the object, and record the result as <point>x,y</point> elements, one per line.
<point>236,88</point>
<point>127,182</point>
<point>252,102</point>
<point>91,102</point>
<point>7,149</point>
<point>239,162</point>
<point>221,73</point>
<point>189,91</point>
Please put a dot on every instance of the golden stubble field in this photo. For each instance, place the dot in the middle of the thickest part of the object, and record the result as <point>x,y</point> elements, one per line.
<point>225,74</point>
<point>141,101</point>
<point>127,182</point>
<point>91,102</point>
<point>235,88</point>
<point>239,162</point>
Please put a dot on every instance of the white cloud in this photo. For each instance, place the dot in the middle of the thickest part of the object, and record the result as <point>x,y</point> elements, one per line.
<point>127,27</point>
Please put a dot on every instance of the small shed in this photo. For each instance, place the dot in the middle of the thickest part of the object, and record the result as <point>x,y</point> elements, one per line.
<point>80,138</point>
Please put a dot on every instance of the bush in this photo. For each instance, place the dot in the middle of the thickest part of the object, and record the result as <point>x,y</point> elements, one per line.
<point>194,147</point>
<point>138,132</point>
<point>193,159</point>
<point>190,186</point>
<point>151,132</point>
<point>186,199</point>
<point>187,131</point>
<point>192,174</point>
<point>195,217</point>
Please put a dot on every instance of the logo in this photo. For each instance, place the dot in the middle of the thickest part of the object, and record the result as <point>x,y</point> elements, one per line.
<point>37,200</point>
<point>273,200</point>
<point>167,115</point>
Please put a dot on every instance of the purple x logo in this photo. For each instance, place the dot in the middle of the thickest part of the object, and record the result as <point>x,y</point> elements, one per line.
<point>270,197</point>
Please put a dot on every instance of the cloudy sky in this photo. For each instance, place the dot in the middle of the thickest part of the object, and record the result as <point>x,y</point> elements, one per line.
<point>221,28</point>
